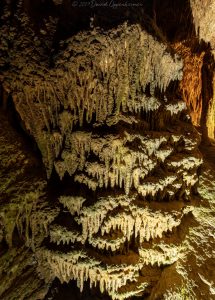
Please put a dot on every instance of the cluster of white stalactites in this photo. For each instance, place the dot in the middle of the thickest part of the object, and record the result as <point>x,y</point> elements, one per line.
<point>163,254</point>
<point>117,165</point>
<point>102,218</point>
<point>73,204</point>
<point>91,218</point>
<point>156,185</point>
<point>126,295</point>
<point>59,234</point>
<point>203,14</point>
<point>141,222</point>
<point>110,243</point>
<point>33,218</point>
<point>126,48</point>
<point>144,104</point>
<point>186,161</point>
<point>111,82</point>
<point>79,266</point>
<point>175,108</point>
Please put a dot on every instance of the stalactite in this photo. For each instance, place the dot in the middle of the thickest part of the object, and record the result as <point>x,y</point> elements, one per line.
<point>44,95</point>
<point>86,114</point>
<point>33,218</point>
<point>74,204</point>
<point>133,221</point>
<point>59,234</point>
<point>162,255</point>
<point>119,165</point>
<point>140,222</point>
<point>203,12</point>
<point>92,217</point>
<point>77,265</point>
<point>126,295</point>
<point>177,107</point>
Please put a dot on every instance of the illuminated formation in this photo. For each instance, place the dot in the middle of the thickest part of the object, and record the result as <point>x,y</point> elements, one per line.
<point>128,162</point>
<point>203,11</point>
<point>112,112</point>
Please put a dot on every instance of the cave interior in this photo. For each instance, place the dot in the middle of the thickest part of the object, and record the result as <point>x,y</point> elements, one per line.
<point>107,150</point>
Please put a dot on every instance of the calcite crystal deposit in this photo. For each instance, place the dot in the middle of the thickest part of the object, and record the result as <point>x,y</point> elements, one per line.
<point>117,194</point>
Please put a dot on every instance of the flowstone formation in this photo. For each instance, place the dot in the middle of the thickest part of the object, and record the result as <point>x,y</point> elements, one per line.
<point>121,152</point>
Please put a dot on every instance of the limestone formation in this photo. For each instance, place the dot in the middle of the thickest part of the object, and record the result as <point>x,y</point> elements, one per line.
<point>117,194</point>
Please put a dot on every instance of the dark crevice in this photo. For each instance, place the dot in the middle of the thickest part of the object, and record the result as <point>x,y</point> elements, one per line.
<point>169,21</point>
<point>175,19</point>
<point>70,291</point>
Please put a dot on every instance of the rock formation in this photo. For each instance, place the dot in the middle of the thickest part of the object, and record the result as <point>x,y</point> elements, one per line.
<point>106,182</point>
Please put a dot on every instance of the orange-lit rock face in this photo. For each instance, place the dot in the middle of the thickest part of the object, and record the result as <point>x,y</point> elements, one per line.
<point>211,114</point>
<point>191,84</point>
<point>203,13</point>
